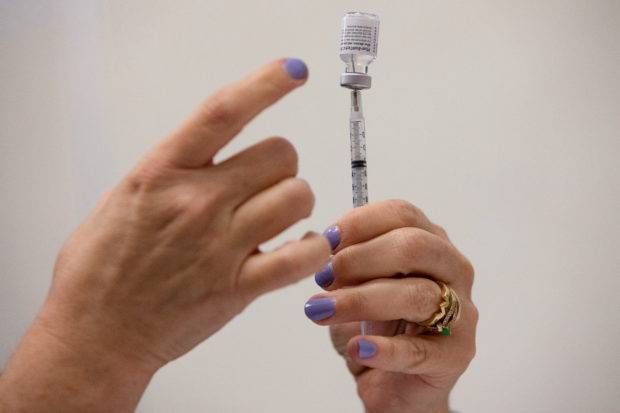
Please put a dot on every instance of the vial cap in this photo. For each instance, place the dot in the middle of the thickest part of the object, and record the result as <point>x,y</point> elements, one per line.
<point>355,80</point>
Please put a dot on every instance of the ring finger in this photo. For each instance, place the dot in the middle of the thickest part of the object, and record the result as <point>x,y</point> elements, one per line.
<point>272,211</point>
<point>256,168</point>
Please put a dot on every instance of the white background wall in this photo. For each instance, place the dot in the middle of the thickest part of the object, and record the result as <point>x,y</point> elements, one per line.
<point>499,118</point>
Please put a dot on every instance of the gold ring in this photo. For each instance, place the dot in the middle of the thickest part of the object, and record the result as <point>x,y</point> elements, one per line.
<point>448,313</point>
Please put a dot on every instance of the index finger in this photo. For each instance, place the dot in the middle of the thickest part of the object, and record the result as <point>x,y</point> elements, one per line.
<point>225,113</point>
<point>369,221</point>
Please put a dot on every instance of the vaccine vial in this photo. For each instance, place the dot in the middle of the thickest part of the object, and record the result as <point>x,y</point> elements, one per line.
<point>359,38</point>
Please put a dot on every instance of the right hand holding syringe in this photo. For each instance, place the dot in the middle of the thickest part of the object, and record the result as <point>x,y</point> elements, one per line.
<point>414,371</point>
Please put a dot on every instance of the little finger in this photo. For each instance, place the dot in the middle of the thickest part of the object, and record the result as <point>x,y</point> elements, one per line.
<point>266,271</point>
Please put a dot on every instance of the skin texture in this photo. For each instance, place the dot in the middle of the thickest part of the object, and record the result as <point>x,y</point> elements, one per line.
<point>167,258</point>
<point>390,258</point>
<point>171,254</point>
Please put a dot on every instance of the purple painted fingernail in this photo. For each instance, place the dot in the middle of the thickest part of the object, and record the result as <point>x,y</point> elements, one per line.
<point>326,276</point>
<point>296,68</point>
<point>320,308</point>
<point>333,236</point>
<point>366,348</point>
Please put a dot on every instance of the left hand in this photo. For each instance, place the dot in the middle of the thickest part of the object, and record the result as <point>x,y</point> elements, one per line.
<point>389,256</point>
<point>167,258</point>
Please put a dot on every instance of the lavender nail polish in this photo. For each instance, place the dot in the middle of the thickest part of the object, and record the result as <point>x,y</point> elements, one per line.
<point>366,349</point>
<point>333,235</point>
<point>296,68</point>
<point>325,277</point>
<point>320,308</point>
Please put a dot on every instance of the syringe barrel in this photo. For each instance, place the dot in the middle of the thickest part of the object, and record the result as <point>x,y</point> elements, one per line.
<point>359,38</point>
<point>357,132</point>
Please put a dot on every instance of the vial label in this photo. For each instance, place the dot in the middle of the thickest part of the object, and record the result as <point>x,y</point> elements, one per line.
<point>359,35</point>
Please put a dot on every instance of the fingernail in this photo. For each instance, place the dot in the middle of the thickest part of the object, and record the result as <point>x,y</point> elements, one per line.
<point>366,349</point>
<point>333,236</point>
<point>326,276</point>
<point>296,68</point>
<point>320,308</point>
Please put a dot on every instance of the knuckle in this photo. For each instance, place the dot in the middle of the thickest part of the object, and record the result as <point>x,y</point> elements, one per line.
<point>441,231</point>
<point>468,359</point>
<point>218,111</point>
<point>272,85</point>
<point>358,303</point>
<point>183,202</point>
<point>424,296</point>
<point>405,211</point>
<point>299,196</point>
<point>468,269</point>
<point>416,353</point>
<point>412,292</point>
<point>409,245</point>
<point>285,153</point>
<point>467,352</point>
<point>472,314</point>
<point>147,176</point>
<point>471,353</point>
<point>392,351</point>
<point>215,195</point>
<point>466,356</point>
<point>342,264</point>
<point>161,194</point>
<point>290,265</point>
<point>194,203</point>
<point>475,314</point>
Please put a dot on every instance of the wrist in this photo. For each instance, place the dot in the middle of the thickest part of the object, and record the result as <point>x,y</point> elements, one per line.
<point>441,407</point>
<point>49,373</point>
<point>444,407</point>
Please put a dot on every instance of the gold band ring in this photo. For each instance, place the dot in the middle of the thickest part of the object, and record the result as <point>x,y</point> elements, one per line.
<point>448,313</point>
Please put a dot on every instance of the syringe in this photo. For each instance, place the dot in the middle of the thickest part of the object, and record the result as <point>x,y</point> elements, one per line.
<point>358,48</point>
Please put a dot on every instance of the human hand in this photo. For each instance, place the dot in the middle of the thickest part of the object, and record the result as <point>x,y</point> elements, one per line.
<point>171,254</point>
<point>389,256</point>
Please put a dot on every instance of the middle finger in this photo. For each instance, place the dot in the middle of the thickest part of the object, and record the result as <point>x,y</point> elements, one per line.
<point>256,168</point>
<point>411,299</point>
